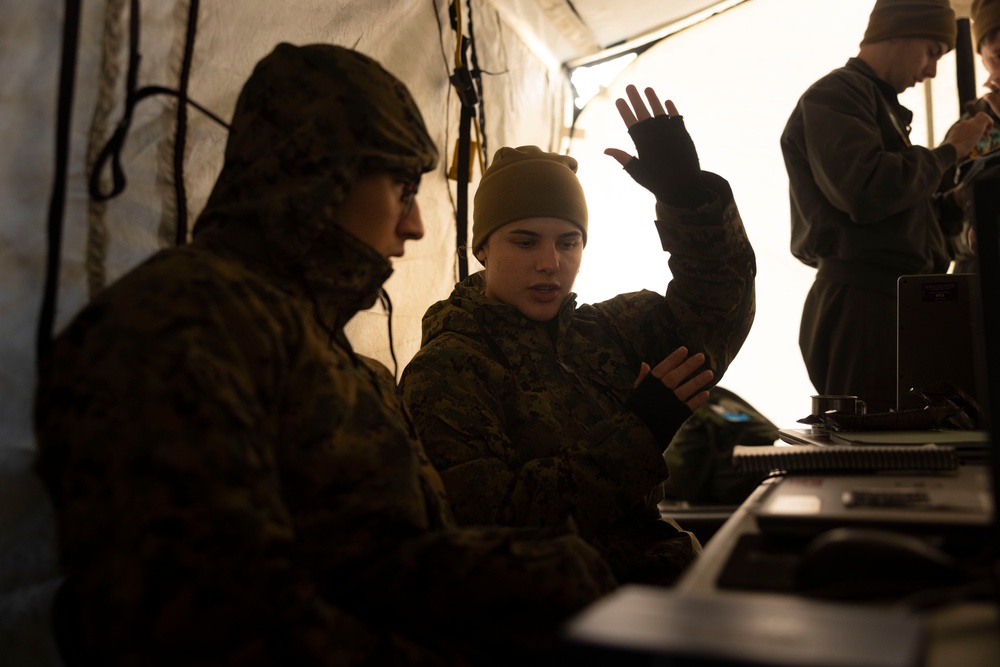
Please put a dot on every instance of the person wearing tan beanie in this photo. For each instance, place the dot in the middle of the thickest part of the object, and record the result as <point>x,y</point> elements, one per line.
<point>867,206</point>
<point>924,19</point>
<point>537,411</point>
<point>985,17</point>
<point>527,182</point>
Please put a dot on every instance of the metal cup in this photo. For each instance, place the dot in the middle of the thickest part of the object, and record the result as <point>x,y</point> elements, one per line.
<point>850,405</point>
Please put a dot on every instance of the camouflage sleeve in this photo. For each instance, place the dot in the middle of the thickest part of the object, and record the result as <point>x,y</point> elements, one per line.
<point>499,593</point>
<point>457,399</point>
<point>709,305</point>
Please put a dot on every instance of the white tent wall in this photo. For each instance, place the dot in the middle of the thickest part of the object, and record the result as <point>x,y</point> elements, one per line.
<point>526,99</point>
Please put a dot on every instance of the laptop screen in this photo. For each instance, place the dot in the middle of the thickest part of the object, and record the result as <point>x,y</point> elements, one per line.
<point>938,332</point>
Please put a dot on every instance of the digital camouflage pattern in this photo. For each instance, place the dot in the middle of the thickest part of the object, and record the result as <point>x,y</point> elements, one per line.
<point>526,421</point>
<point>233,484</point>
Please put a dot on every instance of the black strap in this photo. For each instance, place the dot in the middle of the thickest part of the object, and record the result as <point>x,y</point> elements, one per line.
<point>57,200</point>
<point>468,86</point>
<point>477,77</point>
<point>462,190</point>
<point>180,134</point>
<point>113,148</point>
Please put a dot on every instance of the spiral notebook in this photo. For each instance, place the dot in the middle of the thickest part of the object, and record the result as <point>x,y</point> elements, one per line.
<point>844,458</point>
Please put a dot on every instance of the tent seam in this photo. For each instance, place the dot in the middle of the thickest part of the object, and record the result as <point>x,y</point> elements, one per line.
<point>97,231</point>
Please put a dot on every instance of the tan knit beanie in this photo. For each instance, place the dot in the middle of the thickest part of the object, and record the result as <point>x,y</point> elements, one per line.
<point>985,19</point>
<point>527,182</point>
<point>928,19</point>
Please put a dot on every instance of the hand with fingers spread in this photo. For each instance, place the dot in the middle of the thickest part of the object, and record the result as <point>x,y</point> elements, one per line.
<point>669,391</point>
<point>667,164</point>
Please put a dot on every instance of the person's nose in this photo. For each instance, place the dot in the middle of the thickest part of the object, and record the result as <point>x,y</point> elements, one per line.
<point>411,226</point>
<point>931,70</point>
<point>548,259</point>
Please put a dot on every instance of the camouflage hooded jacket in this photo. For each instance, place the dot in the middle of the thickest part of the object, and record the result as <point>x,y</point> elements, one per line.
<point>232,483</point>
<point>527,421</point>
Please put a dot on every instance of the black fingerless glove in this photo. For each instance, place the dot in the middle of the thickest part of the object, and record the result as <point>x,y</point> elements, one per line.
<point>668,163</point>
<point>658,408</point>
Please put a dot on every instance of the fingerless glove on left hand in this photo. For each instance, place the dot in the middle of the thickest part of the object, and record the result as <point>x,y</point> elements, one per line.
<point>667,164</point>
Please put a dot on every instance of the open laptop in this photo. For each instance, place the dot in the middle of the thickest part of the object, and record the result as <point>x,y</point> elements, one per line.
<point>936,335</point>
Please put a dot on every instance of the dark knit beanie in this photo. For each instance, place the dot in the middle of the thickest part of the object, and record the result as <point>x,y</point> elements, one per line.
<point>985,19</point>
<point>927,19</point>
<point>527,182</point>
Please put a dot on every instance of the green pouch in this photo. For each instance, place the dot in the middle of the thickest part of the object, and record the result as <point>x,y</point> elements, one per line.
<point>699,457</point>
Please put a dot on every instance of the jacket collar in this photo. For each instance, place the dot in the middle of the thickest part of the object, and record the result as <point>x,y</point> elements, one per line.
<point>339,275</point>
<point>468,311</point>
<point>888,93</point>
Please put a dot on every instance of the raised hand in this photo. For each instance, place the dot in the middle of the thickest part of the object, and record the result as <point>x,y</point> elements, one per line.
<point>667,164</point>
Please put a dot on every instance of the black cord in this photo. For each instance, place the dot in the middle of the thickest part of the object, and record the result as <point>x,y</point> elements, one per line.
<point>387,305</point>
<point>477,77</point>
<point>447,103</point>
<point>57,200</point>
<point>180,134</point>
<point>113,148</point>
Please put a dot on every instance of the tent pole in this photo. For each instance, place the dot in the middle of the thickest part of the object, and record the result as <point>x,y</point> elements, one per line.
<point>462,214</point>
<point>57,201</point>
<point>965,66</point>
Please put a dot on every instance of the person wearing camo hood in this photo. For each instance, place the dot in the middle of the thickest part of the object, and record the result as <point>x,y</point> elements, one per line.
<point>233,485</point>
<point>534,409</point>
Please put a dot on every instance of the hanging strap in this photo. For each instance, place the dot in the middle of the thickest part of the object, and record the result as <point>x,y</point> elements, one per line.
<point>112,150</point>
<point>180,133</point>
<point>57,200</point>
<point>462,80</point>
<point>462,191</point>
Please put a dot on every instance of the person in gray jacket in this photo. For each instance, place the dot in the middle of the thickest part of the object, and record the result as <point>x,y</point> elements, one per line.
<point>865,202</point>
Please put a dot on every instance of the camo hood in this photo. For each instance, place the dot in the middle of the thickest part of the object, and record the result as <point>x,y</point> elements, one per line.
<point>309,121</point>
